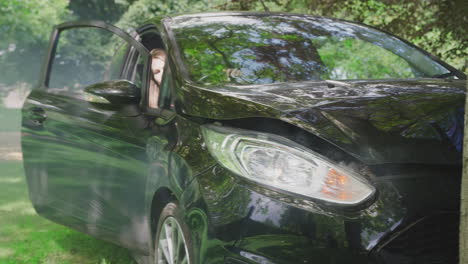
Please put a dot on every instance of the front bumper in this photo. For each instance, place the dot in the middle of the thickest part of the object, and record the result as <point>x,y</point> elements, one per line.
<point>255,225</point>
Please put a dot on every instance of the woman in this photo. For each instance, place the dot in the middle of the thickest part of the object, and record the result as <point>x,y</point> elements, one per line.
<point>158,60</point>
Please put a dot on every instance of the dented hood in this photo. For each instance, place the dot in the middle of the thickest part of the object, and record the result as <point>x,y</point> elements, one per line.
<point>392,121</point>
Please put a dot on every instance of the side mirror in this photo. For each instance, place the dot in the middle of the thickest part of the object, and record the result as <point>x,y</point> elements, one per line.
<point>119,92</point>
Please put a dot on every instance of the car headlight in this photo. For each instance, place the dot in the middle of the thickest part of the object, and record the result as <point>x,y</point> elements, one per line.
<point>275,161</point>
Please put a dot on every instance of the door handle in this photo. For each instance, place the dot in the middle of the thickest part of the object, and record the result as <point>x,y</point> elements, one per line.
<point>37,115</point>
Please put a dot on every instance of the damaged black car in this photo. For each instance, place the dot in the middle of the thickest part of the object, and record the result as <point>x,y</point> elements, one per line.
<point>248,138</point>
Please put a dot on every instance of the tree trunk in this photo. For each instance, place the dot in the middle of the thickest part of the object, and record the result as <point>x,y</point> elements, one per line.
<point>464,197</point>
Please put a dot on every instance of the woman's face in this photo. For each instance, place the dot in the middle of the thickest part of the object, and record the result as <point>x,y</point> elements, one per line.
<point>157,67</point>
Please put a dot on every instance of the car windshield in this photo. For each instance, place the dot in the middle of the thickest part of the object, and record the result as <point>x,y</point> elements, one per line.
<point>269,49</point>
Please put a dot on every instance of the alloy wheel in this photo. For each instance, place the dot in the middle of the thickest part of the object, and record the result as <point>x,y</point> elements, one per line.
<point>172,247</point>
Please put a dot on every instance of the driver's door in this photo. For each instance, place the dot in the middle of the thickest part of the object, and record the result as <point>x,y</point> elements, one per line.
<point>79,154</point>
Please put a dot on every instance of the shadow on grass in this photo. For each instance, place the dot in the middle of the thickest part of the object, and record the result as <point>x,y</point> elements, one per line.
<point>26,237</point>
<point>87,248</point>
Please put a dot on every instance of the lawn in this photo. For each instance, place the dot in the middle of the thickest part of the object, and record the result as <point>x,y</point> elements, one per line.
<point>28,238</point>
<point>9,119</point>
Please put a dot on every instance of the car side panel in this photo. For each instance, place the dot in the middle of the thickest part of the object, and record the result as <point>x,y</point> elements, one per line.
<point>86,169</point>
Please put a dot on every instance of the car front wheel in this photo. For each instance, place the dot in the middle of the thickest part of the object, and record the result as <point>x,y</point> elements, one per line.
<point>172,243</point>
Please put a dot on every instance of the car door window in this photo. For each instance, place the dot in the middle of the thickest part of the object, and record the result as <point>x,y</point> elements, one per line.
<point>151,39</point>
<point>88,55</point>
<point>166,88</point>
<point>136,70</point>
<point>116,69</point>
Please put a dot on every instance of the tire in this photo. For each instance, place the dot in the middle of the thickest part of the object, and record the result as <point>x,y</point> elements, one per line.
<point>172,233</point>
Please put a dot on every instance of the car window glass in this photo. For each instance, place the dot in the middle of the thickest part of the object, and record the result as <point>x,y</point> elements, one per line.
<point>115,70</point>
<point>153,42</point>
<point>271,49</point>
<point>85,56</point>
<point>166,89</point>
<point>351,58</point>
<point>136,72</point>
<point>157,72</point>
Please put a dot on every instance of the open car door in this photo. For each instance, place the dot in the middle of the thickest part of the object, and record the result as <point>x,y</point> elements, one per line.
<point>82,165</point>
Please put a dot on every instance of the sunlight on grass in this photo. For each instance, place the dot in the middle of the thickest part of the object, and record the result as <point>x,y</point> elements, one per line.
<point>5,252</point>
<point>18,207</point>
<point>12,156</point>
<point>10,180</point>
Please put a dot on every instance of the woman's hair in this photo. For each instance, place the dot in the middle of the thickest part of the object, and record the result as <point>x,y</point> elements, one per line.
<point>158,53</point>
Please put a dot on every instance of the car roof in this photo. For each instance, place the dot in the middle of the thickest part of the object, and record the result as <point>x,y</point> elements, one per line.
<point>158,20</point>
<point>182,16</point>
<point>237,13</point>
<point>244,13</point>
<point>176,18</point>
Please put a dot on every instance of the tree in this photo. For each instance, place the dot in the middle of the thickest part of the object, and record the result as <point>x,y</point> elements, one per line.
<point>438,26</point>
<point>25,28</point>
<point>464,199</point>
<point>142,10</point>
<point>106,10</point>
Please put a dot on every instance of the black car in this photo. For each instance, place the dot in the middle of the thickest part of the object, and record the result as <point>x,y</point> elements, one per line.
<point>248,138</point>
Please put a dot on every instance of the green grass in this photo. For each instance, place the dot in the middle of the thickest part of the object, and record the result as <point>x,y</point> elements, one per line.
<point>28,238</point>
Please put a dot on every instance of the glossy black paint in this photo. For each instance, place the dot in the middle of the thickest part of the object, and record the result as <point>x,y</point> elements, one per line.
<point>116,92</point>
<point>375,121</point>
<point>108,171</point>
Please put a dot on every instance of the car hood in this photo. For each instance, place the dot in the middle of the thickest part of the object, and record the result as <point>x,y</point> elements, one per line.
<point>392,121</point>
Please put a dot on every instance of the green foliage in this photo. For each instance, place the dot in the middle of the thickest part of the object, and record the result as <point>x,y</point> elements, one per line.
<point>355,59</point>
<point>94,49</point>
<point>272,49</point>
<point>25,28</point>
<point>25,25</point>
<point>436,26</point>
<point>142,10</point>
<point>106,10</point>
<point>28,22</point>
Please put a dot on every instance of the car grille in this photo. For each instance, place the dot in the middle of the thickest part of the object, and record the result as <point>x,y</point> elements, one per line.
<point>431,240</point>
